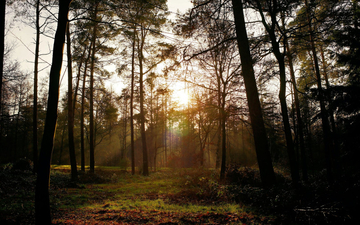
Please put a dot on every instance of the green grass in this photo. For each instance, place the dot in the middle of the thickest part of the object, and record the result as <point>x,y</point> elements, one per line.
<point>188,196</point>
<point>126,191</point>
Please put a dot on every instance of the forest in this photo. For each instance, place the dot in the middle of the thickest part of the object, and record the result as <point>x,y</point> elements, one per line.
<point>226,112</point>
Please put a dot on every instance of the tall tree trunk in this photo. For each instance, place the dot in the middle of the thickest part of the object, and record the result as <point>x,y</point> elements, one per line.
<point>82,133</point>
<point>36,65</point>
<point>289,141</point>
<point>257,122</point>
<point>62,144</point>
<point>218,150</point>
<point>42,201</point>
<point>92,139</point>
<point>78,79</point>
<point>298,117</point>
<point>70,110</point>
<point>324,116</point>
<point>125,129</point>
<point>282,93</point>
<point>330,110</point>
<point>132,105</point>
<point>142,112</point>
<point>165,126</point>
<point>223,137</point>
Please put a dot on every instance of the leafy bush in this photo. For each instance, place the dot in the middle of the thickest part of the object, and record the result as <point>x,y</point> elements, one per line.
<point>237,175</point>
<point>201,185</point>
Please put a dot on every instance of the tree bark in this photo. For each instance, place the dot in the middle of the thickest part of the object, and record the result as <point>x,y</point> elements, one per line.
<point>36,65</point>
<point>298,117</point>
<point>74,175</point>
<point>42,201</point>
<point>334,135</point>
<point>324,116</point>
<point>223,137</point>
<point>294,170</point>
<point>257,122</point>
<point>142,112</point>
<point>92,141</point>
<point>132,105</point>
<point>82,133</point>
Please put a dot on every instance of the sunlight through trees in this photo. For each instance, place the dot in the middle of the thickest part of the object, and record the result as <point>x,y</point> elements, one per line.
<point>151,85</point>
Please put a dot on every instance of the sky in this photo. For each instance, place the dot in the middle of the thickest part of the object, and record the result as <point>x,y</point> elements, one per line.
<point>22,38</point>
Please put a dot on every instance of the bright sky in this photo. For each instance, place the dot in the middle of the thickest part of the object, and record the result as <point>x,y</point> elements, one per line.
<point>22,37</point>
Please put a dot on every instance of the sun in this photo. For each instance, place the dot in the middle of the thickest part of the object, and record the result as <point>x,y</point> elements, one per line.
<point>183,98</point>
<point>180,94</point>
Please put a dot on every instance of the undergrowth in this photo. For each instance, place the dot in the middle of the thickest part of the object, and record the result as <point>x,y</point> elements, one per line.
<point>182,194</point>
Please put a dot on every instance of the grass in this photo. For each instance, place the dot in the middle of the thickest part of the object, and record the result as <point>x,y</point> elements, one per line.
<point>179,193</point>
<point>182,196</point>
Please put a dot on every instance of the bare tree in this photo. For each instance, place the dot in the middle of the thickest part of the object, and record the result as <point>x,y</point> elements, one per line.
<point>257,122</point>
<point>42,201</point>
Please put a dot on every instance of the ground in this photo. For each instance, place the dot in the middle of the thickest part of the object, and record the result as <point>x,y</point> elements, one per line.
<point>183,196</point>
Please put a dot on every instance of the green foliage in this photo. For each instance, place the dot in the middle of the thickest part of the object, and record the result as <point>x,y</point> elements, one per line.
<point>203,186</point>
<point>17,191</point>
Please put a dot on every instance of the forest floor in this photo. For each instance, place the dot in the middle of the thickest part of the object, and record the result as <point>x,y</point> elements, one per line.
<point>183,196</point>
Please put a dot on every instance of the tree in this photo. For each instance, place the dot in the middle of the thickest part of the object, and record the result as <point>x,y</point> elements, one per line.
<point>100,32</point>
<point>42,201</point>
<point>345,35</point>
<point>261,145</point>
<point>36,69</point>
<point>298,113</point>
<point>144,20</point>
<point>210,25</point>
<point>71,109</point>
<point>273,9</point>
<point>324,115</point>
<point>92,67</point>
<point>132,103</point>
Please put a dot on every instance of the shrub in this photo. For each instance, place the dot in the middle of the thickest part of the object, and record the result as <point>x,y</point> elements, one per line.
<point>22,164</point>
<point>237,175</point>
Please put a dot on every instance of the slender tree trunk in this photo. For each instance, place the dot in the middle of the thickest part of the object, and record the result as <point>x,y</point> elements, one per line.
<point>298,116</point>
<point>330,110</point>
<point>62,144</point>
<point>36,65</point>
<point>16,133</point>
<point>324,116</point>
<point>42,201</point>
<point>78,80</point>
<point>156,131</point>
<point>289,141</point>
<point>82,133</point>
<point>261,145</point>
<point>71,110</point>
<point>218,151</point>
<point>223,137</point>
<point>92,139</point>
<point>165,127</point>
<point>125,129</point>
<point>152,120</point>
<point>132,105</point>
<point>142,112</point>
<point>282,94</point>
